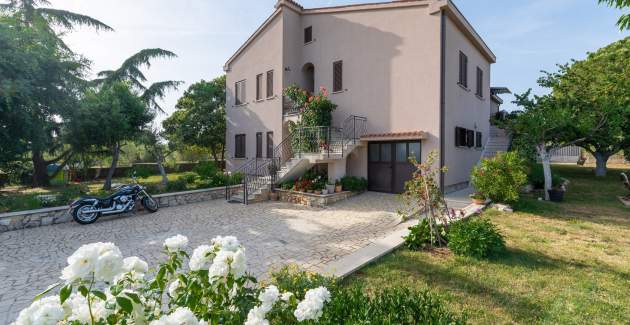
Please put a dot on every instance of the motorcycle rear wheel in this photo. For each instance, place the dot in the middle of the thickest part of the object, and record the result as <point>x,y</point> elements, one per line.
<point>79,215</point>
<point>150,204</point>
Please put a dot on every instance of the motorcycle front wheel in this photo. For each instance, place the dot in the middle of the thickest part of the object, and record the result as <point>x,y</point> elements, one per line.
<point>81,215</point>
<point>150,204</point>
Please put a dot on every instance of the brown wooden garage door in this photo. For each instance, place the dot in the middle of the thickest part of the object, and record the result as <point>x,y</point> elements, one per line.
<point>388,165</point>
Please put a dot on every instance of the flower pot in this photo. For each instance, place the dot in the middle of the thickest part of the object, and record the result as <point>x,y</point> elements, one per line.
<point>325,191</point>
<point>330,188</point>
<point>338,189</point>
<point>479,201</point>
<point>556,195</point>
<point>273,196</point>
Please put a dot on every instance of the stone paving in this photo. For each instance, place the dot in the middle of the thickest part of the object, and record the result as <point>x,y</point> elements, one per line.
<point>273,234</point>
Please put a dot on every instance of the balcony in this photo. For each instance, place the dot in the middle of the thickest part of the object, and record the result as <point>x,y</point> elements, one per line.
<point>289,108</point>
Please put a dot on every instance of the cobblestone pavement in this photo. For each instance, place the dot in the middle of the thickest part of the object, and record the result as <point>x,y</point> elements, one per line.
<point>272,233</point>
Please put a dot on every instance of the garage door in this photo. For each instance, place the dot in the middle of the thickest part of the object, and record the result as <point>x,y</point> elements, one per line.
<point>388,165</point>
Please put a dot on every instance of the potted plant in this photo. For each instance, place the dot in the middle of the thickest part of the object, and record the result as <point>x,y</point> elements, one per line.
<point>338,187</point>
<point>556,194</point>
<point>478,198</point>
<point>330,187</point>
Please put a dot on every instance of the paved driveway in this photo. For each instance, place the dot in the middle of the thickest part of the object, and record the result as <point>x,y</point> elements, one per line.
<point>273,234</point>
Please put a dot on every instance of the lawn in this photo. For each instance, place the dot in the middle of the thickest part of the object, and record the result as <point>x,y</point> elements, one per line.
<point>16,198</point>
<point>567,263</point>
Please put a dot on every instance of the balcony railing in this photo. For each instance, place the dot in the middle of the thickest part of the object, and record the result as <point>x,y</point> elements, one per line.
<point>289,107</point>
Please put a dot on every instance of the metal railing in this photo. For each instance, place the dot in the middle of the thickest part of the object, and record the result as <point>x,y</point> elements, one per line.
<point>289,107</point>
<point>354,127</point>
<point>255,175</point>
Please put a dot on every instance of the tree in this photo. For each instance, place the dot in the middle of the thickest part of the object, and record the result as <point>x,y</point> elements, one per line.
<point>200,118</point>
<point>106,118</point>
<point>38,88</point>
<point>130,73</point>
<point>30,13</point>
<point>624,20</point>
<point>596,89</point>
<point>154,143</point>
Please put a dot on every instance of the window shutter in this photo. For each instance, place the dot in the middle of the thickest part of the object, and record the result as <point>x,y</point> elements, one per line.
<point>269,144</point>
<point>479,82</point>
<point>308,34</point>
<point>478,140</point>
<point>337,76</point>
<point>259,140</point>
<point>269,84</point>
<point>470,138</point>
<point>259,86</point>
<point>237,93</point>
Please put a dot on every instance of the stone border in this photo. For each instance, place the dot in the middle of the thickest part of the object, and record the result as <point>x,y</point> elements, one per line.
<point>313,200</point>
<point>625,202</point>
<point>48,216</point>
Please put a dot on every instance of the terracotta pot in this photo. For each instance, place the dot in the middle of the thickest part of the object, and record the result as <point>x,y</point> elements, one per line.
<point>479,201</point>
<point>338,189</point>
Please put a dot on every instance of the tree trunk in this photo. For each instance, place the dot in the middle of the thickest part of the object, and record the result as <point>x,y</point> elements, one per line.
<point>40,172</point>
<point>546,163</point>
<point>110,174</point>
<point>160,164</point>
<point>601,159</point>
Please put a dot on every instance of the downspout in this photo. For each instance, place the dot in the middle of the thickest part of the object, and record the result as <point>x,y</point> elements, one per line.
<point>442,96</point>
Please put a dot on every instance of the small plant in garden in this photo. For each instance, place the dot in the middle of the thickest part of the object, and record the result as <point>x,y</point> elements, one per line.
<point>423,196</point>
<point>206,169</point>
<point>475,237</point>
<point>354,184</point>
<point>177,185</point>
<point>477,196</point>
<point>420,236</point>
<point>500,178</point>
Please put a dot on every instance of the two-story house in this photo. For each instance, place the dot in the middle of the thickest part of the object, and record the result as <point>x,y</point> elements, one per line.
<point>409,77</point>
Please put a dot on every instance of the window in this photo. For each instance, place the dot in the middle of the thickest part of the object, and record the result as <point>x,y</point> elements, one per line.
<point>239,89</point>
<point>308,34</point>
<point>460,137</point>
<point>466,138</point>
<point>374,152</point>
<point>479,82</point>
<point>470,138</point>
<point>463,69</point>
<point>239,141</point>
<point>270,84</point>
<point>386,151</point>
<point>269,144</point>
<point>258,144</point>
<point>337,76</point>
<point>259,86</point>
<point>478,140</point>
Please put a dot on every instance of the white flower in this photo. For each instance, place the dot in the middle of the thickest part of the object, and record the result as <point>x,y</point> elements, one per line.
<point>45,311</point>
<point>239,263</point>
<point>162,321</point>
<point>286,296</point>
<point>201,257</point>
<point>81,263</point>
<point>135,264</point>
<point>221,264</point>
<point>173,287</point>
<point>176,243</point>
<point>182,316</point>
<point>77,308</point>
<point>108,266</point>
<point>268,297</point>
<point>256,316</point>
<point>311,307</point>
<point>228,243</point>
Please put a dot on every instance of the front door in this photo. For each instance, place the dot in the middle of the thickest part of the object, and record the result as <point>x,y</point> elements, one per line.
<point>388,165</point>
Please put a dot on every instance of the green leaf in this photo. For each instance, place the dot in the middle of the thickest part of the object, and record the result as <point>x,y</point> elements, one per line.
<point>99,294</point>
<point>125,304</point>
<point>83,290</point>
<point>133,297</point>
<point>65,292</point>
<point>40,295</point>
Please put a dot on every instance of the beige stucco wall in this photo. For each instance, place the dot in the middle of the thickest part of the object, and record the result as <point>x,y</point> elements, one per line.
<point>462,107</point>
<point>391,66</point>
<point>262,55</point>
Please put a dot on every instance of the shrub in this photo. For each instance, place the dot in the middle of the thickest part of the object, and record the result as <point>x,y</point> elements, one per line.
<point>206,169</point>
<point>420,235</point>
<point>536,177</point>
<point>177,185</point>
<point>475,237</point>
<point>354,184</point>
<point>292,278</point>
<point>500,178</point>
<point>287,185</point>
<point>140,171</point>
<point>189,178</point>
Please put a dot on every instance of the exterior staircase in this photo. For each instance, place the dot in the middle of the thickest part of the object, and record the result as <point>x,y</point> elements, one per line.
<point>499,141</point>
<point>296,154</point>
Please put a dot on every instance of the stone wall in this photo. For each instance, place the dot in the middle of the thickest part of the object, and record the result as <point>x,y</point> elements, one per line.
<point>312,200</point>
<point>48,216</point>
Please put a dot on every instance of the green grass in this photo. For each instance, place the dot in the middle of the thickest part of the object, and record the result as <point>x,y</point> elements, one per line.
<point>567,263</point>
<point>25,198</point>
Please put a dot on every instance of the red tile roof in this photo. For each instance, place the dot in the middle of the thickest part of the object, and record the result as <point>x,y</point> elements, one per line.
<point>396,135</point>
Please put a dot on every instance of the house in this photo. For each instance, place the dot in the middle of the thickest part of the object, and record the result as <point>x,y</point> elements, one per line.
<point>409,77</point>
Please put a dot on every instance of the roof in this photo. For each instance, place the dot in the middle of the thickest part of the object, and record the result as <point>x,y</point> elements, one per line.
<point>446,6</point>
<point>410,135</point>
<point>496,91</point>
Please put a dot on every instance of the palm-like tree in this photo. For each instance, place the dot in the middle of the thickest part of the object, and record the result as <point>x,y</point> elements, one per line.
<point>35,14</point>
<point>130,71</point>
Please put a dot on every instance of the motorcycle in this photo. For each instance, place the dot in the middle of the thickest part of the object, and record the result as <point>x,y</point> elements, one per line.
<point>88,209</point>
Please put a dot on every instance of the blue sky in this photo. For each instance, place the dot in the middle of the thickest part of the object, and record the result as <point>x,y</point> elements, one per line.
<point>526,35</point>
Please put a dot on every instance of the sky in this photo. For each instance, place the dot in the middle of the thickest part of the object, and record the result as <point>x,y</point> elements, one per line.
<point>527,36</point>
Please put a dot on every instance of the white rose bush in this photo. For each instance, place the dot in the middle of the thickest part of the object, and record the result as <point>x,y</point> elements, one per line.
<point>101,286</point>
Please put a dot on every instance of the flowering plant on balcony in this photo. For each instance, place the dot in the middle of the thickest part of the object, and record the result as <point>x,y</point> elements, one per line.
<point>315,109</point>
